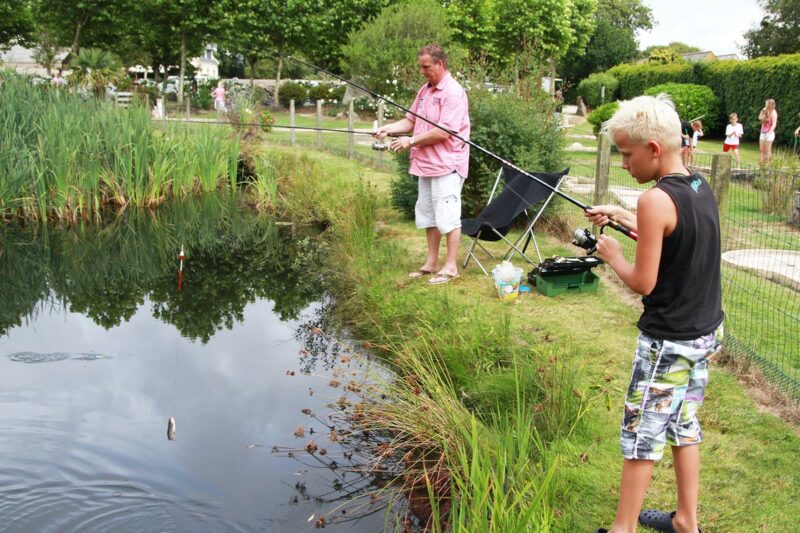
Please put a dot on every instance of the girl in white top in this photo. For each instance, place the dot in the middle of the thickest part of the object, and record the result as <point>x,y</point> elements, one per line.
<point>697,128</point>
<point>733,132</point>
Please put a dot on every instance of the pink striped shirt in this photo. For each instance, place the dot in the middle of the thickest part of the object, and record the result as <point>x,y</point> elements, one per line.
<point>447,105</point>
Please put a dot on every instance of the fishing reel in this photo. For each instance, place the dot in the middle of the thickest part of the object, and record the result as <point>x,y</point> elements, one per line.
<point>585,239</point>
<point>380,146</point>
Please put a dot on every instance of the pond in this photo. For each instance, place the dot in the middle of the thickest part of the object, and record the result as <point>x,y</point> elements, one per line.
<point>99,350</point>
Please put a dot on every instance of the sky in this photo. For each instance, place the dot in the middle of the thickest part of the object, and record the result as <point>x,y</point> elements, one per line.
<point>715,25</point>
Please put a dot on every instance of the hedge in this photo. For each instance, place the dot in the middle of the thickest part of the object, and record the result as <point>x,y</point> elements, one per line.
<point>635,79</point>
<point>741,86</point>
<point>591,91</point>
<point>600,115</point>
<point>692,101</point>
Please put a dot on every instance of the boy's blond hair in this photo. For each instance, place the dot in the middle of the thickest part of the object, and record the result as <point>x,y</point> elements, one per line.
<point>647,118</point>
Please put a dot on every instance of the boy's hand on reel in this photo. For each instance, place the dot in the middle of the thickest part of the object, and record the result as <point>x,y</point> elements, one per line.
<point>608,248</point>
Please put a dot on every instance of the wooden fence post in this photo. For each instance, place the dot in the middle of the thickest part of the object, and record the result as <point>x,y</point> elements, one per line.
<point>351,137</point>
<point>720,179</point>
<point>381,112</point>
<point>601,169</point>
<point>319,123</point>
<point>188,108</point>
<point>292,131</point>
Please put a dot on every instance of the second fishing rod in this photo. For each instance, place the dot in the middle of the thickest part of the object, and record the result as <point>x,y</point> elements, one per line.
<point>611,224</point>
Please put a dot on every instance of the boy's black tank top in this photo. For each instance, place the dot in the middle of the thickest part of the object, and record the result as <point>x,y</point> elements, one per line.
<point>686,302</point>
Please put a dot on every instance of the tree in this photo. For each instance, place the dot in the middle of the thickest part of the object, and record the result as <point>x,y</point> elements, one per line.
<point>16,22</point>
<point>779,30</point>
<point>334,21</point>
<point>384,52</point>
<point>473,23</point>
<point>665,54</point>
<point>95,68</point>
<point>96,23</point>
<point>613,41</point>
<point>546,28</point>
<point>194,22</point>
<point>45,50</point>
<point>247,32</point>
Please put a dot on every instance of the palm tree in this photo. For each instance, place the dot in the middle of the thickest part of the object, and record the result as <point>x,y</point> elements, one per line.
<point>95,68</point>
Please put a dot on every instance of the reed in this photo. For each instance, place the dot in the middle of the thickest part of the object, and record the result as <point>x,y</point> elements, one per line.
<point>64,157</point>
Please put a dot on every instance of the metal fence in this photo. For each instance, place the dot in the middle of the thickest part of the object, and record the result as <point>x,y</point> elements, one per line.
<point>760,219</point>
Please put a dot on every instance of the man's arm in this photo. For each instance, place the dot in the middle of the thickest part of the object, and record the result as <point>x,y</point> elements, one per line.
<point>403,125</point>
<point>656,216</point>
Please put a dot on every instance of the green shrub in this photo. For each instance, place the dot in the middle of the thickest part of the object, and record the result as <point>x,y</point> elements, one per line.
<point>635,79</point>
<point>597,117</point>
<point>293,91</point>
<point>323,91</point>
<point>590,89</point>
<point>521,131</point>
<point>742,87</point>
<point>201,98</point>
<point>692,101</point>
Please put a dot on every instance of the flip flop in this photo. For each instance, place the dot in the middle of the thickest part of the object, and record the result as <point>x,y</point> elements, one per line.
<point>420,273</point>
<point>441,278</point>
<point>659,520</point>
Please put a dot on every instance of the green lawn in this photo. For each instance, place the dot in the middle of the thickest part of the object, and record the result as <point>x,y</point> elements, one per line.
<point>750,477</point>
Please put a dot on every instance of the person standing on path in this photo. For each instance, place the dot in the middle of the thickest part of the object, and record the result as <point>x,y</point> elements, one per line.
<point>733,133</point>
<point>769,121</point>
<point>438,160</point>
<point>219,99</point>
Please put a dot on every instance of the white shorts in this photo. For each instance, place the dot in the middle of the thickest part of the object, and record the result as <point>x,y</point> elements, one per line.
<point>439,203</point>
<point>219,105</point>
<point>768,136</point>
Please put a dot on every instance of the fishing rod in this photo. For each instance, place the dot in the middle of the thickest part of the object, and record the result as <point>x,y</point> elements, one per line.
<point>287,126</point>
<point>613,225</point>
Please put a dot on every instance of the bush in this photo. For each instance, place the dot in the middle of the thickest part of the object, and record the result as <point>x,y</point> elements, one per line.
<point>635,79</point>
<point>293,91</point>
<point>692,101</point>
<point>521,131</point>
<point>590,89</point>
<point>324,91</point>
<point>741,86</point>
<point>201,99</point>
<point>597,117</point>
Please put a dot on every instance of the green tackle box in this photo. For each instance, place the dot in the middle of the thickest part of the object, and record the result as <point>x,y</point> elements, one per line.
<point>555,284</point>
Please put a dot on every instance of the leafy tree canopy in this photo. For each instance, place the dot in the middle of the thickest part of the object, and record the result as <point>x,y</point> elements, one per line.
<point>385,49</point>
<point>779,30</point>
<point>613,41</point>
<point>16,22</point>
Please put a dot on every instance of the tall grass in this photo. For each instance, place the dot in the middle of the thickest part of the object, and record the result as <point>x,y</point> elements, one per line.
<point>63,156</point>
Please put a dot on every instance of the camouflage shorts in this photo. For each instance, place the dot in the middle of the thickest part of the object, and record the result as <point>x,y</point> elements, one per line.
<point>666,390</point>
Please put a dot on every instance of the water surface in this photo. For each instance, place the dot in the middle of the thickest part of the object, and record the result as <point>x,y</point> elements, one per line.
<point>98,349</point>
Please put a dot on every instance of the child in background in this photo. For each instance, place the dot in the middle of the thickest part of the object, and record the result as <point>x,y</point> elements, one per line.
<point>697,128</point>
<point>219,99</point>
<point>733,132</point>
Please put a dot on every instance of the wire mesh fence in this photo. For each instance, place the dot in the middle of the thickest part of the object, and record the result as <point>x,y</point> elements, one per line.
<point>760,219</point>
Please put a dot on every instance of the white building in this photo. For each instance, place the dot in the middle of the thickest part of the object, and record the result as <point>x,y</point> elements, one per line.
<point>207,65</point>
<point>21,59</point>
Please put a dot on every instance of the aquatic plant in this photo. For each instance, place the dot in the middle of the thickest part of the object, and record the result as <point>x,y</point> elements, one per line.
<point>63,156</point>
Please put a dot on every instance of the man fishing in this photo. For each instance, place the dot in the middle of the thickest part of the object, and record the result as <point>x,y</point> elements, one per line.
<point>439,160</point>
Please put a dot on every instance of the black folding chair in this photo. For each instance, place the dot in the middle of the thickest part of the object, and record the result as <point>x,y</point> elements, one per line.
<point>496,219</point>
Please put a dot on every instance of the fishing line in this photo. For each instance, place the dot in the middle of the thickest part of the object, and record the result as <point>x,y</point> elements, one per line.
<point>288,127</point>
<point>614,225</point>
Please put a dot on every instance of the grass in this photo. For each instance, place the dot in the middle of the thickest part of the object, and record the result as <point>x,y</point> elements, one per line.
<point>66,157</point>
<point>549,359</point>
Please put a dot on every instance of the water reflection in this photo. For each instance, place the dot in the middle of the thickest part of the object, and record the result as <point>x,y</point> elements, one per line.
<point>99,350</point>
<point>233,257</point>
